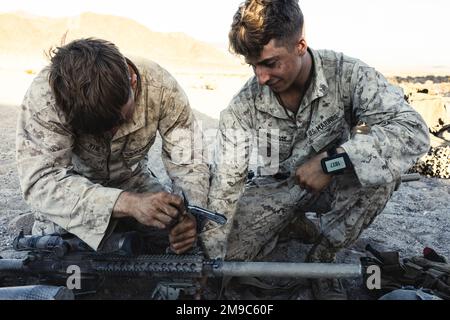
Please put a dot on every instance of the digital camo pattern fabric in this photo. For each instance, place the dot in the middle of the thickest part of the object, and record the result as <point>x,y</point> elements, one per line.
<point>344,92</point>
<point>268,206</point>
<point>74,180</point>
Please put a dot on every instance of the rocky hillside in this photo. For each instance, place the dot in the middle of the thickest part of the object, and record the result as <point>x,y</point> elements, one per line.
<point>22,34</point>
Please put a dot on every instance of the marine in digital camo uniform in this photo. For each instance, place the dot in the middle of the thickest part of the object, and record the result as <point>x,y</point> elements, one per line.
<point>311,105</point>
<point>85,127</point>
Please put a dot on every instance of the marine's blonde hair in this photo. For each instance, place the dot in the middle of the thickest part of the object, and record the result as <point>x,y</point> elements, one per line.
<point>256,22</point>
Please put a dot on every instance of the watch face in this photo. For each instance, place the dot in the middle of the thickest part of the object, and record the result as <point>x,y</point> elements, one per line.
<point>335,164</point>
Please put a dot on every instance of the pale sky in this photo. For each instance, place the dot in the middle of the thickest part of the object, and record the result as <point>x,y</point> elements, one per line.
<point>388,33</point>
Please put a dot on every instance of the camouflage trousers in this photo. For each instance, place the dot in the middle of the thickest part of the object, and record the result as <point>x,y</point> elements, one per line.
<point>268,206</point>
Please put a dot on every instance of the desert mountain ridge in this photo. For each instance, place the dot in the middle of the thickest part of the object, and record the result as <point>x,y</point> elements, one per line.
<point>22,34</point>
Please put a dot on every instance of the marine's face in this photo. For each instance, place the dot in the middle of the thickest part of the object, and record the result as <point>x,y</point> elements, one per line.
<point>277,66</point>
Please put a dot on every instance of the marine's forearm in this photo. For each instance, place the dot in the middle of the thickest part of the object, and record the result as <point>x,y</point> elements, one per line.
<point>124,205</point>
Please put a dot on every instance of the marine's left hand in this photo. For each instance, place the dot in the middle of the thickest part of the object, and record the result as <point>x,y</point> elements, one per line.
<point>310,175</point>
<point>183,235</point>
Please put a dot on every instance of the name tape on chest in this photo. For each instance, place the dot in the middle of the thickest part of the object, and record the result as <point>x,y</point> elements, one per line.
<point>323,125</point>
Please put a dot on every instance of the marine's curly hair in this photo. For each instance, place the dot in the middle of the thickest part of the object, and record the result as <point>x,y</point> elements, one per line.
<point>256,22</point>
<point>91,83</point>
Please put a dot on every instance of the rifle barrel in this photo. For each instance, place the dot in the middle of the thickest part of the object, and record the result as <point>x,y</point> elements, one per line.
<point>288,269</point>
<point>219,268</point>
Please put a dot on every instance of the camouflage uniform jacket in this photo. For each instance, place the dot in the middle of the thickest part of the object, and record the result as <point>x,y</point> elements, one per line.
<point>74,180</point>
<point>343,92</point>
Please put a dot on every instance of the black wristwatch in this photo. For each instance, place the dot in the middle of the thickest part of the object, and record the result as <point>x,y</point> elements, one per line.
<point>336,163</point>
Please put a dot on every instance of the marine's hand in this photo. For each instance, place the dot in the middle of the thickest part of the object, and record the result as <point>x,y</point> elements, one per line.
<point>310,175</point>
<point>183,235</point>
<point>158,210</point>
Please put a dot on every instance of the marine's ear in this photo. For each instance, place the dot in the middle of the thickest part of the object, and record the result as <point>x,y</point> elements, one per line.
<point>133,81</point>
<point>301,46</point>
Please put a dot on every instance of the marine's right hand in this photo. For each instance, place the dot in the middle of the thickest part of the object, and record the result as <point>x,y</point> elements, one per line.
<point>160,210</point>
